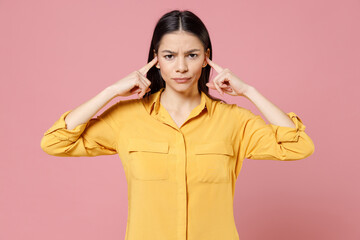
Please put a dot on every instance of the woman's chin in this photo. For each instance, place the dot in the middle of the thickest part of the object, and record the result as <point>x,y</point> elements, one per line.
<point>183,87</point>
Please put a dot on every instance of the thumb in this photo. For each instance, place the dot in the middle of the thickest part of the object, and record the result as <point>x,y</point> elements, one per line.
<point>211,85</point>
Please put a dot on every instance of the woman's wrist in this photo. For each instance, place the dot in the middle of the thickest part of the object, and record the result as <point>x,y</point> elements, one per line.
<point>111,92</point>
<point>249,90</point>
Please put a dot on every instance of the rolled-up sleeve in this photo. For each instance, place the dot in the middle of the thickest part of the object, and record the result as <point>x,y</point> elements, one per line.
<point>267,141</point>
<point>93,138</point>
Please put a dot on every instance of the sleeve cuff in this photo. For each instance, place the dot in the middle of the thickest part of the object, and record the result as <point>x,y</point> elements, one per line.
<point>288,134</point>
<point>59,129</point>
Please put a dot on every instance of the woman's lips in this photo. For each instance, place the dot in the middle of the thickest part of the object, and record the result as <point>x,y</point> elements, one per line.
<point>181,80</point>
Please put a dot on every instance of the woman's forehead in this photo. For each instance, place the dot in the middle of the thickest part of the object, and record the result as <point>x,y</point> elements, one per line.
<point>183,42</point>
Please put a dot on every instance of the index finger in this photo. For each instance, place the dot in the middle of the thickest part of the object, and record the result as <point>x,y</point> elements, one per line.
<point>214,65</point>
<point>147,67</point>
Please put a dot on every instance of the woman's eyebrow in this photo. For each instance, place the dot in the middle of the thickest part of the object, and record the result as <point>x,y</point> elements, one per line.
<point>192,50</point>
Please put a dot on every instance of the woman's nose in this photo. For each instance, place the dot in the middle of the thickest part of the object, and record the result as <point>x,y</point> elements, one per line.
<point>181,65</point>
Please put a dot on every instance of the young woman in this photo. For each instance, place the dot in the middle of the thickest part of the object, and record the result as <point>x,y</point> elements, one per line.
<point>182,150</point>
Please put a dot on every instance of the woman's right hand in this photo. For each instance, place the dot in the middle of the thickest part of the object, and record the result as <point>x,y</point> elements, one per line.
<point>135,82</point>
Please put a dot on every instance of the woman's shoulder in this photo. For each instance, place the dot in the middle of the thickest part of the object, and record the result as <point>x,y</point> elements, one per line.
<point>232,108</point>
<point>222,105</point>
<point>124,107</point>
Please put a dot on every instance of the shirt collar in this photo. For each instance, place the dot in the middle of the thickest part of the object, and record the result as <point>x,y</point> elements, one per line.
<point>152,102</point>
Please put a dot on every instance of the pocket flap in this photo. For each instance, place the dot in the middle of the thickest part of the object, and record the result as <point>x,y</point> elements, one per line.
<point>144,145</point>
<point>214,148</point>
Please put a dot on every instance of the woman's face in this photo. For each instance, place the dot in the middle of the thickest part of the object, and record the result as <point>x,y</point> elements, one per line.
<point>181,55</point>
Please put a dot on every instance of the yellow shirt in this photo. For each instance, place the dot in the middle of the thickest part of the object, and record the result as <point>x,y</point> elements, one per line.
<point>181,181</point>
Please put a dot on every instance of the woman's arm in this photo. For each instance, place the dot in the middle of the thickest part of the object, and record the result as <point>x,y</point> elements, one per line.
<point>87,110</point>
<point>272,113</point>
<point>135,82</point>
<point>76,133</point>
<point>283,139</point>
<point>228,82</point>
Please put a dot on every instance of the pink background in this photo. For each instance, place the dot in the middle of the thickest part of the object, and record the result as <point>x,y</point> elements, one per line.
<point>302,55</point>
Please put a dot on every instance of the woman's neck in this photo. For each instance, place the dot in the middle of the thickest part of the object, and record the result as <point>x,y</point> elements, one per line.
<point>180,101</point>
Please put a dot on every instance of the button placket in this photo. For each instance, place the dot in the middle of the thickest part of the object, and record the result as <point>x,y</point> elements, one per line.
<point>182,185</point>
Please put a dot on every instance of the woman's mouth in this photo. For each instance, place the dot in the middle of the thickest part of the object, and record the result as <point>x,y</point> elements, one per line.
<point>181,80</point>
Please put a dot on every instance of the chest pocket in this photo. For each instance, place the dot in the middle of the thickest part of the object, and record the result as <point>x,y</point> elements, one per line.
<point>149,160</point>
<point>212,162</point>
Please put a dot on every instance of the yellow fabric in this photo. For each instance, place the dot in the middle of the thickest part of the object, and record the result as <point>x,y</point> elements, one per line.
<point>181,181</point>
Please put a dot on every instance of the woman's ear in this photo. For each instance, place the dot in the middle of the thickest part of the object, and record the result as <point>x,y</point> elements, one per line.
<point>157,64</point>
<point>207,54</point>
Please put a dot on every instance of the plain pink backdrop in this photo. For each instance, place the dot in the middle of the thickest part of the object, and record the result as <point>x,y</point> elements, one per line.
<point>302,55</point>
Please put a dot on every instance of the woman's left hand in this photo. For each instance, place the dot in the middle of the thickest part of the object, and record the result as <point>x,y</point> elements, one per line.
<point>226,81</point>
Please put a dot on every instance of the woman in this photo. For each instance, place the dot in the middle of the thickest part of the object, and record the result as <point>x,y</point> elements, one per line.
<point>181,149</point>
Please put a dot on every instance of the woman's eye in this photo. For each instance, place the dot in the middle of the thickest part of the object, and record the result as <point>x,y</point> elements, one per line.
<point>192,55</point>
